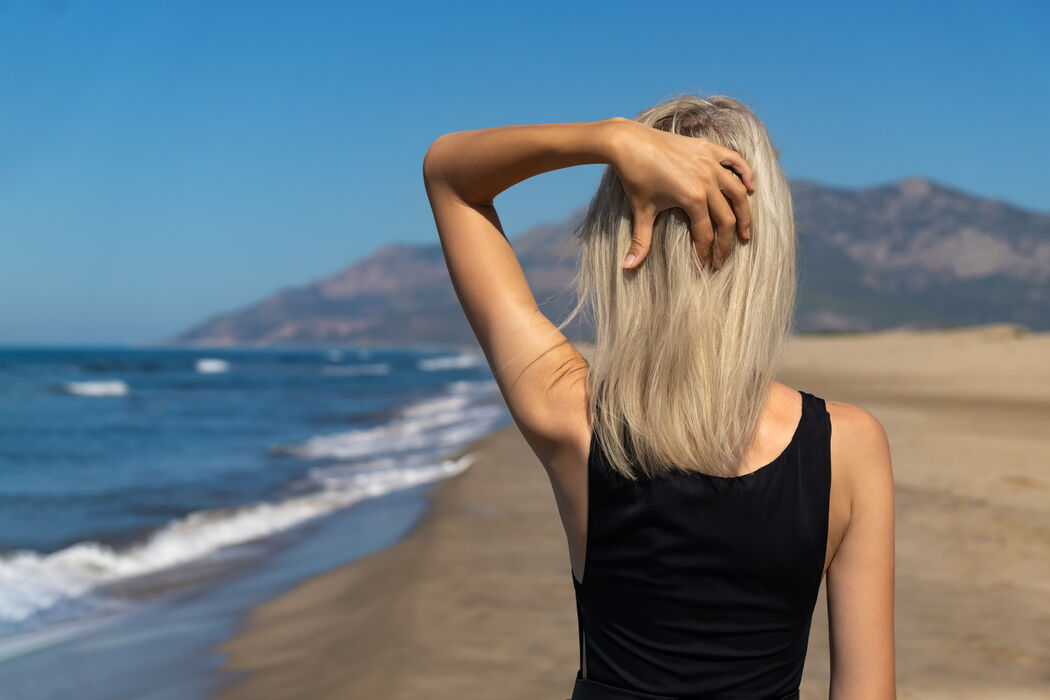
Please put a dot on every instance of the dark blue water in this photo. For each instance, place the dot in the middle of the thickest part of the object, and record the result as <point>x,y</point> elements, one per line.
<point>128,474</point>
<point>165,648</point>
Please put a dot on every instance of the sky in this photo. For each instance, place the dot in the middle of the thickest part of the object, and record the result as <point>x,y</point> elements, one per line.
<point>161,162</point>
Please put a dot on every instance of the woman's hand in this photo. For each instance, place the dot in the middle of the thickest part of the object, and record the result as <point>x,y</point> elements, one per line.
<point>660,170</point>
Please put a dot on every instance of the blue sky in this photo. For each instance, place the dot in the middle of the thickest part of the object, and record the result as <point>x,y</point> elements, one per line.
<point>164,161</point>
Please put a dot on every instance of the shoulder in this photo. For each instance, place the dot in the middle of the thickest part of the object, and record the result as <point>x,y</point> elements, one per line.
<point>860,454</point>
<point>855,432</point>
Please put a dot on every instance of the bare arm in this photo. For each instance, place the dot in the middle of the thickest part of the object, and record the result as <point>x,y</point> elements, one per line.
<point>463,172</point>
<point>533,363</point>
<point>860,586</point>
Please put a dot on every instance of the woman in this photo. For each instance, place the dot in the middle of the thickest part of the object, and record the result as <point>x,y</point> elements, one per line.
<point>703,501</point>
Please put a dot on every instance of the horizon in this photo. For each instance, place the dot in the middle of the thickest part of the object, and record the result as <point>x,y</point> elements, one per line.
<point>191,348</point>
<point>165,164</point>
<point>165,343</point>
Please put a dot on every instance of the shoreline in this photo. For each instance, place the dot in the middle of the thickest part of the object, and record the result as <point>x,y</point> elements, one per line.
<point>440,600</point>
<point>477,599</point>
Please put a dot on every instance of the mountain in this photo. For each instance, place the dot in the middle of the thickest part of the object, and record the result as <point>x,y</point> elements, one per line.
<point>911,253</point>
<point>918,253</point>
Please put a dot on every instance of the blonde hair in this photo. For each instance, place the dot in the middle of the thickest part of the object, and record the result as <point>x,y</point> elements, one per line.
<point>684,353</point>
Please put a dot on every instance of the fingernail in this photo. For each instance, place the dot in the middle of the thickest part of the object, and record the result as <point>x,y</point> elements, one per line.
<point>747,232</point>
<point>629,261</point>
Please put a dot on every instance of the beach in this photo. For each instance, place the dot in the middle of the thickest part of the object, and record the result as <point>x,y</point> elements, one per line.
<point>477,600</point>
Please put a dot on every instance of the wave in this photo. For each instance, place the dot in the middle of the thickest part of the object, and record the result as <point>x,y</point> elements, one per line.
<point>38,590</point>
<point>461,361</point>
<point>212,365</point>
<point>65,584</point>
<point>437,423</point>
<point>111,387</point>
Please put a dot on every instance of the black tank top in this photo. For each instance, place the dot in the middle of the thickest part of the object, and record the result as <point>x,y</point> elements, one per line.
<point>698,586</point>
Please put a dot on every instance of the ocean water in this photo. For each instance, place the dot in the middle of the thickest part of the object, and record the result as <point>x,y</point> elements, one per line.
<point>131,477</point>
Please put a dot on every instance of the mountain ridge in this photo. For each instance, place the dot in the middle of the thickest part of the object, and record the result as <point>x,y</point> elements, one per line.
<point>910,253</point>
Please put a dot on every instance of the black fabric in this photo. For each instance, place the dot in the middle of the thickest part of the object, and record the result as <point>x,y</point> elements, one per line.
<point>586,689</point>
<point>697,586</point>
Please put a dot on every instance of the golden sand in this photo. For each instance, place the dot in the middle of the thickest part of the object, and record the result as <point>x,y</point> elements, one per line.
<point>477,602</point>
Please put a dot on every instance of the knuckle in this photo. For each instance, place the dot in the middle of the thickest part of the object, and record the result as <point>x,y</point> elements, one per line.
<point>700,223</point>
<point>732,187</point>
<point>724,217</point>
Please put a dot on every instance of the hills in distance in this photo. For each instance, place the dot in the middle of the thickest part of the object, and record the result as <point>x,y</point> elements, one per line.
<point>908,254</point>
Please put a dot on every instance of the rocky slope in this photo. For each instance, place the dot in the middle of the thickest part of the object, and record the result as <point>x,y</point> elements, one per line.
<point>912,253</point>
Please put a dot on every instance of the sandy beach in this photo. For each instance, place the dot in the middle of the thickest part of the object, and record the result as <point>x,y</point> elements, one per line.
<point>477,602</point>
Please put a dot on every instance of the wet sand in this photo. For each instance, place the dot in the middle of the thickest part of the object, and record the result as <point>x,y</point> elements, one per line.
<point>477,602</point>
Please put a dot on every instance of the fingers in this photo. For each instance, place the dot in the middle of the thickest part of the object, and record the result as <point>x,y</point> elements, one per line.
<point>643,234</point>
<point>725,227</point>
<point>733,160</point>
<point>703,233</point>
<point>736,192</point>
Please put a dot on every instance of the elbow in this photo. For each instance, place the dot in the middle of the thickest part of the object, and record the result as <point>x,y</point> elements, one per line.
<point>432,159</point>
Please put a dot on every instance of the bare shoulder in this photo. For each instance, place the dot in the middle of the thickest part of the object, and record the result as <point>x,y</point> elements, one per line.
<point>860,450</point>
<point>855,422</point>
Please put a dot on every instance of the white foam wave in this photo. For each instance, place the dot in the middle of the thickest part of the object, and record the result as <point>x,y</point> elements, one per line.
<point>462,361</point>
<point>110,387</point>
<point>32,583</point>
<point>37,589</point>
<point>212,365</point>
<point>355,370</point>
<point>432,424</point>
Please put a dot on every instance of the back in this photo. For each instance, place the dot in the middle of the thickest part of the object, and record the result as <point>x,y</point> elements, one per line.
<point>696,585</point>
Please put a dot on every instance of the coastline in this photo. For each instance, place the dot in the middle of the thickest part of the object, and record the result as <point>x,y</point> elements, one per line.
<point>452,595</point>
<point>477,599</point>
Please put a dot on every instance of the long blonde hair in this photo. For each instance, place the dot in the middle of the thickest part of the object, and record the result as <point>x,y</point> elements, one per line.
<point>685,354</point>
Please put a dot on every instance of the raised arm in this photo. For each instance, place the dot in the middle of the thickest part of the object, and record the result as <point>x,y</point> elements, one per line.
<point>537,370</point>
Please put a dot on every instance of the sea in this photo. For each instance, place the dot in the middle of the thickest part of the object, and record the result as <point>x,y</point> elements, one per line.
<point>150,496</point>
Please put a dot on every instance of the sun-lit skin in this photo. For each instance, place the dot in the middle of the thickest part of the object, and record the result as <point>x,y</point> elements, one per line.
<point>542,376</point>
<point>659,171</point>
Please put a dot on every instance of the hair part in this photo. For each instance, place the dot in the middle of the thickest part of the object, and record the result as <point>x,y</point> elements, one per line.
<point>685,353</point>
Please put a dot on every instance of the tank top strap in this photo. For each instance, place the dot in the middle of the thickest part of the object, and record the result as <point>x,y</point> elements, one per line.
<point>816,406</point>
<point>815,429</point>
<point>815,477</point>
